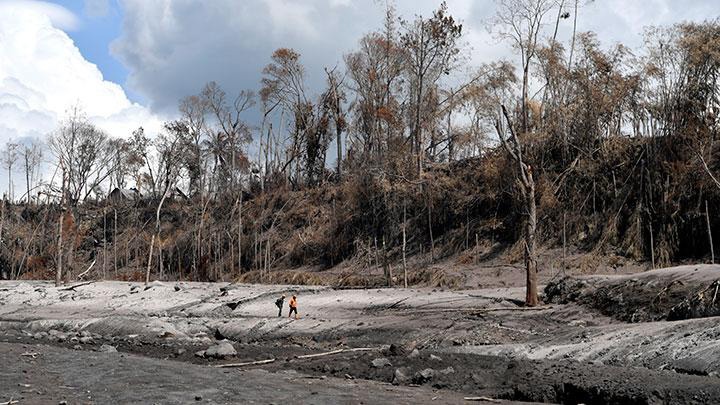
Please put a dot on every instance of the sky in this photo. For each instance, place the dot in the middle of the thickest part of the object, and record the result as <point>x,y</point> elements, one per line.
<point>128,62</point>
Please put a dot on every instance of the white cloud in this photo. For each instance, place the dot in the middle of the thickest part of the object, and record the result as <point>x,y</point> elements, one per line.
<point>59,16</point>
<point>42,74</point>
<point>42,70</point>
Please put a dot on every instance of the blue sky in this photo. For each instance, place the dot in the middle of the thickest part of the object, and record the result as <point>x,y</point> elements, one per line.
<point>97,28</point>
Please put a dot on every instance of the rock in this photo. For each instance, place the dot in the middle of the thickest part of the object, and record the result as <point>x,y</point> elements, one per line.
<point>423,376</point>
<point>198,398</point>
<point>85,333</point>
<point>381,362</point>
<point>218,335</point>
<point>395,350</point>
<point>77,347</point>
<point>447,371</point>
<point>414,353</point>
<point>221,350</point>
<point>400,376</point>
<point>435,358</point>
<point>177,288</point>
<point>180,351</point>
<point>200,353</point>
<point>86,340</point>
<point>62,403</point>
<point>107,349</point>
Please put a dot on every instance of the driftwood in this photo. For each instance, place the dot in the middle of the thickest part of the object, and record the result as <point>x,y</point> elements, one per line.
<point>73,287</point>
<point>84,273</point>
<point>250,363</point>
<point>483,310</point>
<point>10,402</point>
<point>359,349</point>
<point>305,356</point>
<point>30,354</point>
<point>482,399</point>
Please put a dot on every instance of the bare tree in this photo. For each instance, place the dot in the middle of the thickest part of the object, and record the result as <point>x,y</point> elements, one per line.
<point>232,133</point>
<point>514,148</point>
<point>375,71</point>
<point>9,158</point>
<point>433,49</point>
<point>169,154</point>
<point>521,21</point>
<point>32,156</point>
<point>334,98</point>
<point>84,150</point>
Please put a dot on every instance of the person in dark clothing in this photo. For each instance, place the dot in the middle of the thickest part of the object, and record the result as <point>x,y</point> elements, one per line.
<point>279,303</point>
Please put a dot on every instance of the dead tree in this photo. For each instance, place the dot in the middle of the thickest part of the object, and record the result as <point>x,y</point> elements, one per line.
<point>513,146</point>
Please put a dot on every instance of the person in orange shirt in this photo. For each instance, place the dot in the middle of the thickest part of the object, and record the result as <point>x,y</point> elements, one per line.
<point>293,307</point>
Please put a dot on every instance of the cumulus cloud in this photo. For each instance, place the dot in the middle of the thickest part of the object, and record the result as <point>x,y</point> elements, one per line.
<point>42,73</point>
<point>59,16</point>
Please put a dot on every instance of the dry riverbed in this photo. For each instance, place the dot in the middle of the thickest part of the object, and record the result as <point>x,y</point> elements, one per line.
<point>124,343</point>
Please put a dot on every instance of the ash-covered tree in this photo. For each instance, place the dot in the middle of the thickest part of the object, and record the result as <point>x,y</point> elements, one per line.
<point>32,154</point>
<point>82,149</point>
<point>433,50</point>
<point>9,157</point>
<point>521,22</point>
<point>283,83</point>
<point>376,71</point>
<point>229,134</point>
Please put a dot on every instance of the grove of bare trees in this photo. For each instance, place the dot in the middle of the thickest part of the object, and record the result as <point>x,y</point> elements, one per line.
<point>406,151</point>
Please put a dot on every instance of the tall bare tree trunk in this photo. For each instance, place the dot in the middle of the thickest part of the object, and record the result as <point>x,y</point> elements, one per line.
<point>386,267</point>
<point>115,265</point>
<point>531,293</point>
<point>707,219</point>
<point>404,236</point>
<point>240,233</point>
<point>157,232</point>
<point>104,265</point>
<point>27,176</point>
<point>514,148</point>
<point>59,264</point>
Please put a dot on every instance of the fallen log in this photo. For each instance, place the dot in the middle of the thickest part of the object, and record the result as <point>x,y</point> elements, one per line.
<point>483,310</point>
<point>302,357</point>
<point>250,363</point>
<point>482,399</point>
<point>358,349</point>
<point>73,287</point>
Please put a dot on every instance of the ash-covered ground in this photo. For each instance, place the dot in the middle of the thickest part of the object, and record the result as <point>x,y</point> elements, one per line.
<point>601,340</point>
